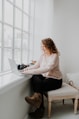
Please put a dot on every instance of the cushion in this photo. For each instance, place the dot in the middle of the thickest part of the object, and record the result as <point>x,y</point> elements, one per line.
<point>73,79</point>
<point>65,90</point>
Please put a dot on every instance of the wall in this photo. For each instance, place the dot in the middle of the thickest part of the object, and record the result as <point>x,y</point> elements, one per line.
<point>59,19</point>
<point>66,33</point>
<point>43,23</point>
<point>12,103</point>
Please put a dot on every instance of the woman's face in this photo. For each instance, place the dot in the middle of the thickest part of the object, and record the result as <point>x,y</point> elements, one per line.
<point>44,49</point>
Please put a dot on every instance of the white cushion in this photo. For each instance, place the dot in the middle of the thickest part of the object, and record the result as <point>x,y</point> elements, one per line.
<point>65,90</point>
<point>73,79</point>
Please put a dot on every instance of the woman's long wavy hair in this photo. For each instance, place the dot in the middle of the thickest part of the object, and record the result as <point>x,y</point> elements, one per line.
<point>50,45</point>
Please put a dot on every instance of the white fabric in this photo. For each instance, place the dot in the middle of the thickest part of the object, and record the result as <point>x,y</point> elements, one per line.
<point>65,90</point>
<point>73,79</point>
<point>47,66</point>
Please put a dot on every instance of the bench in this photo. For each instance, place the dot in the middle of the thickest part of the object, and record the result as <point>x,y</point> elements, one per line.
<point>65,92</point>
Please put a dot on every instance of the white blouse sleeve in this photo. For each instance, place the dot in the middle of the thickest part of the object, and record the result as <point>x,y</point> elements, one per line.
<point>36,65</point>
<point>50,65</point>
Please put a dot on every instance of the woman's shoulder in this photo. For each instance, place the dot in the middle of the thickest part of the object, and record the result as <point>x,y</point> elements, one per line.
<point>54,54</point>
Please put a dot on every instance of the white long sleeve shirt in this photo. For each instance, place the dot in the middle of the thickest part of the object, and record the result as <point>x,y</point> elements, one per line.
<point>47,66</point>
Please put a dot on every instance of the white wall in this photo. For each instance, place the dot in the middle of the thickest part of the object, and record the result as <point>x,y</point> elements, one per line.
<point>59,19</point>
<point>66,33</point>
<point>43,23</point>
<point>12,102</point>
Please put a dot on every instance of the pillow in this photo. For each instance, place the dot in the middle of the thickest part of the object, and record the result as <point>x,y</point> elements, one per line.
<point>73,79</point>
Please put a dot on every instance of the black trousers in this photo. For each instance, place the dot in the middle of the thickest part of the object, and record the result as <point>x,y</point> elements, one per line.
<point>42,84</point>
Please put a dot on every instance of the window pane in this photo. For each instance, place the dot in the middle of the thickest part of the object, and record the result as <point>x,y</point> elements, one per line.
<point>0,59</point>
<point>25,49</point>
<point>18,18</point>
<point>17,42</point>
<point>10,0</point>
<point>17,56</point>
<point>7,55</point>
<point>25,35</point>
<point>8,36</point>
<point>25,23</point>
<point>24,56</point>
<point>26,6</point>
<point>31,48</point>
<point>0,9</point>
<point>19,3</point>
<point>8,13</point>
<point>25,41</point>
<point>0,34</point>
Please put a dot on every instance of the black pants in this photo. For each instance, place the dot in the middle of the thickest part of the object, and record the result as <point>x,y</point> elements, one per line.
<point>42,84</point>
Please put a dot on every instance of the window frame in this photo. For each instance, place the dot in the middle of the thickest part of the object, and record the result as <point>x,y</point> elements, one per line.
<point>28,33</point>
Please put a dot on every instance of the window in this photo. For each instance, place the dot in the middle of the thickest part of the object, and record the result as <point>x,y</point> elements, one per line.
<point>18,18</point>
<point>25,47</point>
<point>8,36</point>
<point>8,13</point>
<point>17,46</point>
<point>19,3</point>
<point>0,34</point>
<point>26,6</point>
<point>26,23</point>
<point>0,10</point>
<point>7,49</point>
<point>0,43</point>
<point>16,31</point>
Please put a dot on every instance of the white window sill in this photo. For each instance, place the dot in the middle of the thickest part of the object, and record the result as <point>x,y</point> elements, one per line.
<point>10,80</point>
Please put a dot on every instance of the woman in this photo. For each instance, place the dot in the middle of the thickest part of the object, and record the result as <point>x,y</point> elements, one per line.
<point>46,74</point>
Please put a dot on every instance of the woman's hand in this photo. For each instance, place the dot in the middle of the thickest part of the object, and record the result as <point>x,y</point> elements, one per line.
<point>24,71</point>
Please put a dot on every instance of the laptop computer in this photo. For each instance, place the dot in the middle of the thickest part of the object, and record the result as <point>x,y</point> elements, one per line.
<point>13,67</point>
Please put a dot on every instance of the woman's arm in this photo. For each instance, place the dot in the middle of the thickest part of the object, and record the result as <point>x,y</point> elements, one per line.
<point>35,66</point>
<point>50,65</point>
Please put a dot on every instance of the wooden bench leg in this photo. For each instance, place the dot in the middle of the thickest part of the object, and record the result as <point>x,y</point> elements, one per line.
<point>75,105</point>
<point>49,109</point>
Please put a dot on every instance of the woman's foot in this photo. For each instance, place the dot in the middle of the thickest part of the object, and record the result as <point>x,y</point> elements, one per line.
<point>34,100</point>
<point>38,113</point>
